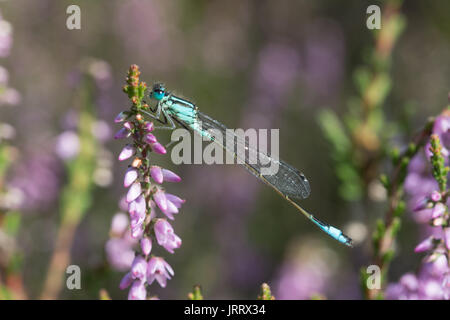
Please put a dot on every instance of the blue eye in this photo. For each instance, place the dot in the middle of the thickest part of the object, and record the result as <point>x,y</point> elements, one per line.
<point>158,95</point>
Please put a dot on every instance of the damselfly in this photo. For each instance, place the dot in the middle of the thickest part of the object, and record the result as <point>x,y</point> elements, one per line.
<point>287,181</point>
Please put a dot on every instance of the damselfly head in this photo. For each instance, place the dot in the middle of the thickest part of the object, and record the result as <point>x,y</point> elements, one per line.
<point>158,91</point>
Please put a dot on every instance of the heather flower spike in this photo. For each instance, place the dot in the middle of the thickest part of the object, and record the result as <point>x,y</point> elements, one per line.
<point>144,194</point>
<point>432,280</point>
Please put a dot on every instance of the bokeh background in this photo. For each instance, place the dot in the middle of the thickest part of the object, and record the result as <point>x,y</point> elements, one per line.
<point>260,64</point>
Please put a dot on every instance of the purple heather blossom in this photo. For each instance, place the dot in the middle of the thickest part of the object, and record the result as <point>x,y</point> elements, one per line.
<point>122,116</point>
<point>165,235</point>
<point>149,127</point>
<point>5,37</point>
<point>127,152</point>
<point>436,196</point>
<point>143,196</point>
<point>158,148</point>
<point>130,176</point>
<point>160,199</point>
<point>134,191</point>
<point>438,210</point>
<point>139,268</point>
<point>150,138</point>
<point>137,291</point>
<point>177,201</point>
<point>160,270</point>
<point>430,205</point>
<point>425,245</point>
<point>119,224</point>
<point>146,245</point>
<point>157,174</point>
<point>170,176</point>
<point>67,145</point>
<point>122,133</point>
<point>120,253</point>
<point>126,281</point>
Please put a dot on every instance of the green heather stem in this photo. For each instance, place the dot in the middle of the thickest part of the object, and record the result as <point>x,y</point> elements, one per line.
<point>387,230</point>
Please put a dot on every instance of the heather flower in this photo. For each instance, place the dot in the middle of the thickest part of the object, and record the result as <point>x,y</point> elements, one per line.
<point>127,152</point>
<point>432,280</point>
<point>438,210</point>
<point>146,245</point>
<point>130,176</point>
<point>158,148</point>
<point>165,235</point>
<point>134,191</point>
<point>436,196</point>
<point>425,245</point>
<point>121,117</point>
<point>145,194</point>
<point>157,174</point>
<point>139,268</point>
<point>67,145</point>
<point>150,138</point>
<point>170,176</point>
<point>122,133</point>
<point>126,281</point>
<point>137,291</point>
<point>160,270</point>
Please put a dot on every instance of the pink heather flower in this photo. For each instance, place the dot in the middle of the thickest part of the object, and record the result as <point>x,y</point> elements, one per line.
<point>425,245</point>
<point>146,245</point>
<point>119,224</point>
<point>436,196</point>
<point>137,291</point>
<point>421,204</point>
<point>137,231</point>
<point>122,133</point>
<point>157,174</point>
<point>128,125</point>
<point>438,210</point>
<point>171,210</point>
<point>160,199</point>
<point>447,237</point>
<point>137,209</point>
<point>134,191</point>
<point>409,281</point>
<point>139,268</point>
<point>165,235</point>
<point>170,176</point>
<point>158,148</point>
<point>121,117</point>
<point>177,201</point>
<point>5,37</point>
<point>130,176</point>
<point>127,152</point>
<point>67,145</point>
<point>149,127</point>
<point>150,138</point>
<point>120,253</point>
<point>160,270</point>
<point>126,281</point>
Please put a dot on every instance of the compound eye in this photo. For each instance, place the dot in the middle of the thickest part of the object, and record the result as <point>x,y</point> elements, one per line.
<point>158,94</point>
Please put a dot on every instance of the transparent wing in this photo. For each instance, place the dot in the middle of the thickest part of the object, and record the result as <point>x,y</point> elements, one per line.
<point>288,180</point>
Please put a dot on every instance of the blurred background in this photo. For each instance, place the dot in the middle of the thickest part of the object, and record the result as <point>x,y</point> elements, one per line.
<point>295,65</point>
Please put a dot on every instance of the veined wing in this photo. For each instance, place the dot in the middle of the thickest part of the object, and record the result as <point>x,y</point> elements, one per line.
<point>288,180</point>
